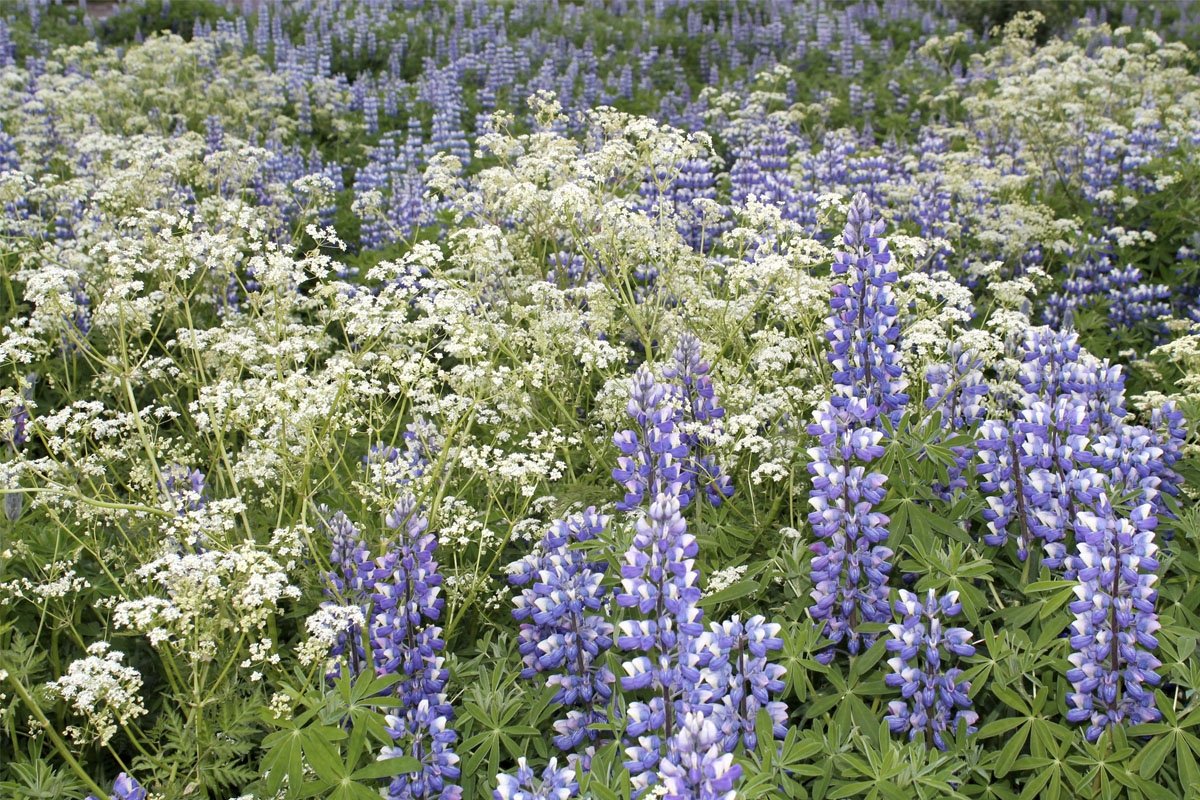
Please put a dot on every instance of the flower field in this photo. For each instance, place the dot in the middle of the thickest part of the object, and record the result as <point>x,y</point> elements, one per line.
<point>439,399</point>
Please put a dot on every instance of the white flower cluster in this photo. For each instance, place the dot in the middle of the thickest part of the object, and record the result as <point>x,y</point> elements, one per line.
<point>103,690</point>
<point>210,594</point>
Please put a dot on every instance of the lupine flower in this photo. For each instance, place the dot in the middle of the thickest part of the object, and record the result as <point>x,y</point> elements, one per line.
<point>555,783</point>
<point>406,639</point>
<point>935,700</point>
<point>1112,637</point>
<point>124,788</point>
<point>19,417</point>
<point>743,680</point>
<point>659,580</point>
<point>1036,467</point>
<point>564,632</point>
<point>850,564</point>
<point>423,443</point>
<point>699,415</point>
<point>697,767</point>
<point>184,487</point>
<point>1169,432</point>
<point>955,390</point>
<point>351,582</point>
<point>651,456</point>
<point>863,328</point>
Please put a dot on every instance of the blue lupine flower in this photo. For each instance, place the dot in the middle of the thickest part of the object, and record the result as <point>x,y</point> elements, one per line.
<point>351,582</point>
<point>935,700</point>
<point>696,766</point>
<point>1036,465</point>
<point>650,461</point>
<point>698,418</point>
<point>659,580</point>
<point>850,563</point>
<point>564,632</point>
<point>184,487</point>
<point>1112,637</point>
<point>1170,432</point>
<point>555,783</point>
<point>19,416</point>
<point>389,465</point>
<point>406,639</point>
<point>955,390</point>
<point>124,788</point>
<point>864,329</point>
<point>741,680</point>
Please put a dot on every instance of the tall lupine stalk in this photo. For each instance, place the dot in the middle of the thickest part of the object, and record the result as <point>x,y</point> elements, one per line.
<point>934,700</point>
<point>351,582</point>
<point>1031,465</point>
<point>741,681</point>
<point>555,784</point>
<point>699,767</point>
<point>406,639</point>
<point>851,563</point>
<point>1112,637</point>
<point>659,580</point>
<point>699,418</point>
<point>651,455</point>
<point>955,389</point>
<point>564,633</point>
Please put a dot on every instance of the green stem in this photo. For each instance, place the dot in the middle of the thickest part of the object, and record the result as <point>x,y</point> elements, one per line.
<point>59,744</point>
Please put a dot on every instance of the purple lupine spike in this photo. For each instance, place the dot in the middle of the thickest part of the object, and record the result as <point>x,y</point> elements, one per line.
<point>1039,469</point>
<point>741,680</point>
<point>19,415</point>
<point>1000,478</point>
<point>1170,432</point>
<point>651,456</point>
<point>863,328</point>
<point>124,788</point>
<point>564,633</point>
<point>935,702</point>
<point>406,639</point>
<point>850,563</point>
<point>423,443</point>
<point>955,390</point>
<point>351,581</point>
<point>1112,638</point>
<point>696,767</point>
<point>185,487</point>
<point>698,418</point>
<point>555,784</point>
<point>659,585</point>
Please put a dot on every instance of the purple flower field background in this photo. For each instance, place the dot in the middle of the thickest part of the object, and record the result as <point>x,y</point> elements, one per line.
<point>455,399</point>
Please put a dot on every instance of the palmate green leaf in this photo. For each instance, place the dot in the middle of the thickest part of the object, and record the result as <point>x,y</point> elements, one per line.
<point>284,758</point>
<point>742,588</point>
<point>1007,757</point>
<point>326,761</point>
<point>387,768</point>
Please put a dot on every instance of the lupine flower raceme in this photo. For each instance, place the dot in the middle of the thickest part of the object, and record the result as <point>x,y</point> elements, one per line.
<point>1112,639</point>
<point>125,787</point>
<point>564,633</point>
<point>851,563</point>
<point>935,702</point>
<point>406,639</point>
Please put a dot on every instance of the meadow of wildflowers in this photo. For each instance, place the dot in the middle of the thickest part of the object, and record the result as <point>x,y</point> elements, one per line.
<point>455,399</point>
